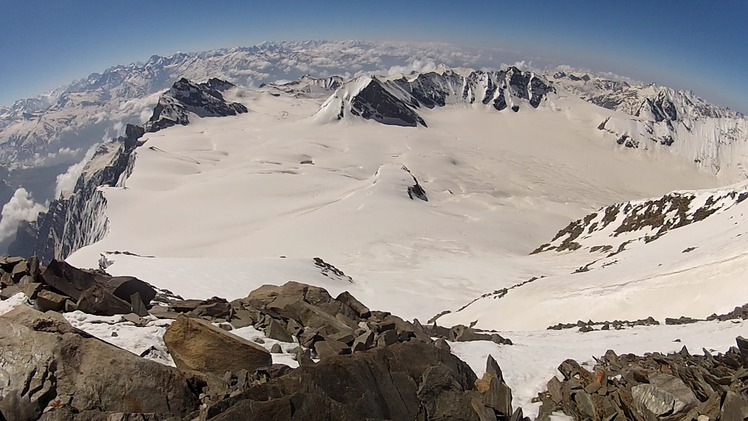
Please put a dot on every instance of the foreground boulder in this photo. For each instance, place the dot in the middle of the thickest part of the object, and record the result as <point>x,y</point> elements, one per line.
<point>48,366</point>
<point>196,345</point>
<point>405,381</point>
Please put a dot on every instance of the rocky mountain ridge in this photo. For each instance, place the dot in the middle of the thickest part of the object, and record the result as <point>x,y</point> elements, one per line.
<point>396,101</point>
<point>79,219</point>
<point>642,220</point>
<point>77,115</point>
<point>710,137</point>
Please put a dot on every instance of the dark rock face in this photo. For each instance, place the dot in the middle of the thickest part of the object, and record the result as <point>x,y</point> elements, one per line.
<point>405,381</point>
<point>371,364</point>
<point>203,99</point>
<point>669,212</point>
<point>669,387</point>
<point>374,102</point>
<point>78,220</point>
<point>396,102</point>
<point>75,221</point>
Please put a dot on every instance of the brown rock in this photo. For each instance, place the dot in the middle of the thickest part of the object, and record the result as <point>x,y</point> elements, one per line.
<point>361,310</point>
<point>363,341</point>
<point>329,348</point>
<point>47,359</point>
<point>197,345</point>
<point>441,343</point>
<point>734,407</point>
<point>276,331</point>
<point>99,300</point>
<point>48,300</point>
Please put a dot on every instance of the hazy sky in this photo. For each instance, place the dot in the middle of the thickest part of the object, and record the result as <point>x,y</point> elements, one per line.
<point>696,45</point>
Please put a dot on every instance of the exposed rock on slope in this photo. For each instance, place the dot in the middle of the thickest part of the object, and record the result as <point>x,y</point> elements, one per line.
<point>79,219</point>
<point>396,101</point>
<point>612,227</point>
<point>654,387</point>
<point>372,364</point>
<point>184,97</point>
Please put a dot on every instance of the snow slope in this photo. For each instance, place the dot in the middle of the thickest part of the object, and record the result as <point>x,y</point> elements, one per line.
<point>222,206</point>
<point>276,182</point>
<point>680,255</point>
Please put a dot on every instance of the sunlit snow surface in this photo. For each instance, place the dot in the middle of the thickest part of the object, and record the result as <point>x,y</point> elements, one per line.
<point>499,185</point>
<point>224,205</point>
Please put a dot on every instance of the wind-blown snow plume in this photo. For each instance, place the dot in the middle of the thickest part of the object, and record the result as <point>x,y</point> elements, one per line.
<point>66,181</point>
<point>21,207</point>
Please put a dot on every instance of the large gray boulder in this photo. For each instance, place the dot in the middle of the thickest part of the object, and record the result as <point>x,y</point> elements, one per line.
<point>46,363</point>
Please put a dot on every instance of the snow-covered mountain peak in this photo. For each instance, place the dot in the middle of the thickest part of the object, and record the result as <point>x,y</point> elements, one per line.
<point>395,101</point>
<point>646,100</point>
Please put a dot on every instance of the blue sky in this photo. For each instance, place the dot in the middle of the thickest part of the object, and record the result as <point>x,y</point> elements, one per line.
<point>696,45</point>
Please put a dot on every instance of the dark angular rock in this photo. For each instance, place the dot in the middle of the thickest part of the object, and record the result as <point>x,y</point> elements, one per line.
<point>19,271</point>
<point>48,359</point>
<point>67,279</point>
<point>123,287</point>
<point>276,331</point>
<point>11,290</point>
<point>100,300</point>
<point>33,267</point>
<point>31,289</point>
<point>442,344</point>
<point>48,300</point>
<point>743,347</point>
<point>361,310</point>
<point>185,96</point>
<point>386,383</point>
<point>326,349</point>
<point>137,305</point>
<point>387,338</point>
<point>363,341</point>
<point>734,407</point>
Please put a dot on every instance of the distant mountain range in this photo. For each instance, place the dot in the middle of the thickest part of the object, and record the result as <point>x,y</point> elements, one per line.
<point>387,82</point>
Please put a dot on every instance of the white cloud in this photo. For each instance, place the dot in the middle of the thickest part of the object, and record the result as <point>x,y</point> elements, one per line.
<point>145,114</point>
<point>66,181</point>
<point>419,66</point>
<point>20,207</point>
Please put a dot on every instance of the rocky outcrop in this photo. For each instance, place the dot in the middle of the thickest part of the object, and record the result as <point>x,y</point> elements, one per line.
<point>353,362</point>
<point>406,381</point>
<point>49,367</point>
<point>677,386</point>
<point>62,287</point>
<point>79,219</point>
<point>396,102</point>
<point>203,99</point>
<point>645,220</point>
